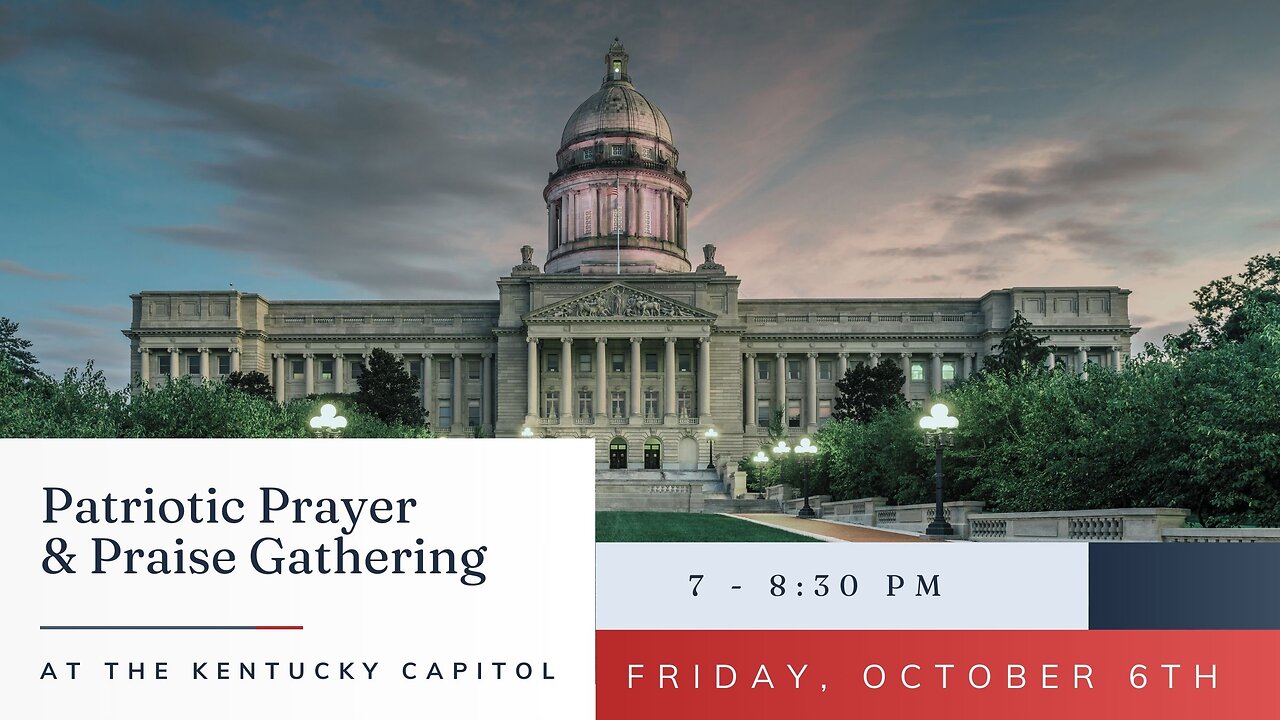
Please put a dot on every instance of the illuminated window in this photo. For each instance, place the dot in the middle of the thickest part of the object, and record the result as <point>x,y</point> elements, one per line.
<point>615,150</point>
<point>326,369</point>
<point>793,413</point>
<point>617,69</point>
<point>917,371</point>
<point>297,369</point>
<point>949,370</point>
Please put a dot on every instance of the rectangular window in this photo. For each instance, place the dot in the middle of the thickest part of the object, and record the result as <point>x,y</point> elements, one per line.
<point>446,370</point>
<point>224,364</point>
<point>793,369</point>
<point>793,413</point>
<point>193,364</point>
<point>473,370</point>
<point>473,413</point>
<point>647,153</point>
<point>553,362</point>
<point>824,369</point>
<point>651,404</point>
<point>949,370</point>
<point>684,362</point>
<point>357,368</point>
<point>684,403</point>
<point>618,404</point>
<point>444,412</point>
<point>584,362</point>
<point>762,369</point>
<point>586,408</point>
<point>415,369</point>
<point>326,369</point>
<point>824,410</point>
<point>619,362</point>
<point>551,404</point>
<point>162,364</point>
<point>764,415</point>
<point>588,154</point>
<point>615,150</point>
<point>651,362</point>
<point>298,369</point>
<point>648,224</point>
<point>917,371</point>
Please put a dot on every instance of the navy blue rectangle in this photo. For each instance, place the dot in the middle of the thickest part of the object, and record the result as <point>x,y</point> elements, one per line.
<point>1184,586</point>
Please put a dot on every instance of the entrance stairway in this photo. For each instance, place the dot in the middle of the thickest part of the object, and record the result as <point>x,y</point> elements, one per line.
<point>670,490</point>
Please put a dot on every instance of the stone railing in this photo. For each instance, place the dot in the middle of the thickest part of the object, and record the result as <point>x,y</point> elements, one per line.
<point>1220,535</point>
<point>779,494</point>
<point>668,496</point>
<point>815,501</point>
<point>1118,525</point>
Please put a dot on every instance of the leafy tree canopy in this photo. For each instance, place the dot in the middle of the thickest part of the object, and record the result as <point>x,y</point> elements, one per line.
<point>865,391</point>
<point>251,383</point>
<point>1020,352</point>
<point>387,392</point>
<point>1220,305</point>
<point>17,350</point>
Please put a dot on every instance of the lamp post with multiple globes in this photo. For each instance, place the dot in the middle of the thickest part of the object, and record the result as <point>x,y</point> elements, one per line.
<point>328,424</point>
<point>938,428</point>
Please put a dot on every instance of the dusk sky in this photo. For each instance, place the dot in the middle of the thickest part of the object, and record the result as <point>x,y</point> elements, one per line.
<point>399,149</point>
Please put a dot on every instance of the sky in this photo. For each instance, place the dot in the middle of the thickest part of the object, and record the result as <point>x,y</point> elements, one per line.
<point>345,150</point>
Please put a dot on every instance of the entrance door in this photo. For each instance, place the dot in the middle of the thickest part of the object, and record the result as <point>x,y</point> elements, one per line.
<point>652,454</point>
<point>618,454</point>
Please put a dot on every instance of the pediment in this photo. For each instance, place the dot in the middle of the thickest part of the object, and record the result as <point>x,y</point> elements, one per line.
<point>617,301</point>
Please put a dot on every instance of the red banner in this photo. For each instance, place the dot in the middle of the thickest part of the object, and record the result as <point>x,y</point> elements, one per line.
<point>673,675</point>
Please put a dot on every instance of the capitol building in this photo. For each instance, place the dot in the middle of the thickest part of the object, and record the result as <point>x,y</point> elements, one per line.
<point>625,334</point>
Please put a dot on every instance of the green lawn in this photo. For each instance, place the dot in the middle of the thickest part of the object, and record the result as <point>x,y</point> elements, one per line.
<point>685,527</point>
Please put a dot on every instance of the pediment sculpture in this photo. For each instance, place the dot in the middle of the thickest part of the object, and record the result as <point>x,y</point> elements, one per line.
<point>619,301</point>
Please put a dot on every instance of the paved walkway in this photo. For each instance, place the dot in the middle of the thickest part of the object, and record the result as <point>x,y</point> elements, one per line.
<point>833,530</point>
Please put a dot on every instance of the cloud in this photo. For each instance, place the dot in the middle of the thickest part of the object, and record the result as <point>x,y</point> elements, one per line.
<point>15,268</point>
<point>114,312</point>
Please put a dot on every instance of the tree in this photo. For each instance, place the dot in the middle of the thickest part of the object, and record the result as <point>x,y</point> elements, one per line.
<point>252,383</point>
<point>865,391</point>
<point>387,392</point>
<point>1020,351</point>
<point>17,351</point>
<point>1220,305</point>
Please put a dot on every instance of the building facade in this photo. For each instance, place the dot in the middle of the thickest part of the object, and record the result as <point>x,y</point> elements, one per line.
<point>618,337</point>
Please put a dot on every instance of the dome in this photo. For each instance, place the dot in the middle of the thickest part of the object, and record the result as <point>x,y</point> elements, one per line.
<point>616,107</point>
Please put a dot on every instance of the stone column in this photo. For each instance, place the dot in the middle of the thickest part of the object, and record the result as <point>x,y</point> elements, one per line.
<point>572,196</point>
<point>551,227</point>
<point>704,380</point>
<point>636,401</point>
<point>670,220</point>
<point>780,386</point>
<point>600,407</point>
<point>144,367</point>
<point>175,363</point>
<point>309,372</point>
<point>1052,360</point>
<point>1115,358</point>
<point>602,227</point>
<point>905,362</point>
<point>424,388</point>
<point>531,409</point>
<point>935,372</point>
<point>669,380</point>
<point>749,394</point>
<point>811,391</point>
<point>640,212</point>
<point>682,235</point>
<point>235,358</point>
<point>459,394</point>
<point>968,365</point>
<point>278,377</point>
<point>842,365</point>
<point>875,359</point>
<point>339,373</point>
<point>566,380</point>
<point>486,393</point>
<point>1082,361</point>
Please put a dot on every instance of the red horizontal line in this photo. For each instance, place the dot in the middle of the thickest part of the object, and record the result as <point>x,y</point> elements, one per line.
<point>277,627</point>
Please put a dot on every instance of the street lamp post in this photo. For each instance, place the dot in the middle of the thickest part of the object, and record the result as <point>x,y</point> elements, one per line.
<point>328,423</point>
<point>711,436</point>
<point>806,450</point>
<point>938,428</point>
<point>527,432</point>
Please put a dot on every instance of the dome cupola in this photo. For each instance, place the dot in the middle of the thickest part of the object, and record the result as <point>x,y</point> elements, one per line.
<point>617,201</point>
